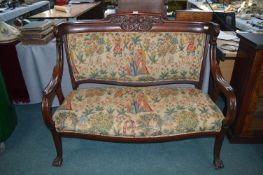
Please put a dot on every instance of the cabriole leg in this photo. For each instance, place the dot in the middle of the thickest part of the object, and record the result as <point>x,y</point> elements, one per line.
<point>58,144</point>
<point>218,163</point>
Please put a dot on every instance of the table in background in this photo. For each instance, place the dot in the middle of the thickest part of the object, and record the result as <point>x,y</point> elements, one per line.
<point>245,26</point>
<point>202,5</point>
<point>75,11</point>
<point>225,19</point>
<point>18,11</point>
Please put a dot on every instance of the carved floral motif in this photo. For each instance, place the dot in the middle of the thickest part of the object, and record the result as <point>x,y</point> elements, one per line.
<point>135,22</point>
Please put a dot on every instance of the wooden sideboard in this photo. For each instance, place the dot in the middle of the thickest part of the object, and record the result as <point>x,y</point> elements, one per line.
<point>247,81</point>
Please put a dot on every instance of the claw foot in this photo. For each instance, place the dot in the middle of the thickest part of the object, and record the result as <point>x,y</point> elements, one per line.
<point>218,163</point>
<point>57,162</point>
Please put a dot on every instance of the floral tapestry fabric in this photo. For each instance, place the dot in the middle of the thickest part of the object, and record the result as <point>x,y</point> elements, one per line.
<point>138,112</point>
<point>136,56</point>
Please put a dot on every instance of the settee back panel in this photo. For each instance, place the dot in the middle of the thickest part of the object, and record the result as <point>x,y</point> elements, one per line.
<point>136,56</point>
<point>134,50</point>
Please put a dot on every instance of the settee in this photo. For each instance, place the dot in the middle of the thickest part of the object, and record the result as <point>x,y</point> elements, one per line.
<point>144,57</point>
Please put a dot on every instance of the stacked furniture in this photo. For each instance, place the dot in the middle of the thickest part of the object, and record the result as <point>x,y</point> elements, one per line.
<point>37,32</point>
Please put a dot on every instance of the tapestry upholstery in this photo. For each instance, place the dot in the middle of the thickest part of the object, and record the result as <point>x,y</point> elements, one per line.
<point>136,56</point>
<point>138,112</point>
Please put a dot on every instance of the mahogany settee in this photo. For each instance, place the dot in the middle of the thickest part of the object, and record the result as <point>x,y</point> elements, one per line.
<point>139,53</point>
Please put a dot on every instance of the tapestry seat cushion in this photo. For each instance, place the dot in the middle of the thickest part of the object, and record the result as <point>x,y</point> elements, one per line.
<point>138,112</point>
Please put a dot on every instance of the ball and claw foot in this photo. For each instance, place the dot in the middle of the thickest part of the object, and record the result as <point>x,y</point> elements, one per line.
<point>218,163</point>
<point>57,162</point>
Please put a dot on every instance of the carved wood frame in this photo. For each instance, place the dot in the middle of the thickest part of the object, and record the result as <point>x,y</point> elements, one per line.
<point>139,23</point>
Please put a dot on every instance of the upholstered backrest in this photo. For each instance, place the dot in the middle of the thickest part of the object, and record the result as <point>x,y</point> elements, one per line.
<point>136,56</point>
<point>135,49</point>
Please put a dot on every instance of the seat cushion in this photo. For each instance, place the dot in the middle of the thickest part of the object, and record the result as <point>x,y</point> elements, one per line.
<point>138,112</point>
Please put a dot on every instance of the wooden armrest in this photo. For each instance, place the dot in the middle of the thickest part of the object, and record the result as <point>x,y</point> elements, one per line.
<point>222,86</point>
<point>53,88</point>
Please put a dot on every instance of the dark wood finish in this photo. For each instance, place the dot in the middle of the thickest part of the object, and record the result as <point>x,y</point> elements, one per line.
<point>138,23</point>
<point>145,6</point>
<point>95,13</point>
<point>190,15</point>
<point>247,80</point>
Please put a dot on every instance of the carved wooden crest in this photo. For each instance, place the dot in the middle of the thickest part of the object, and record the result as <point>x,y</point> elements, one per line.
<point>135,22</point>
<point>215,33</point>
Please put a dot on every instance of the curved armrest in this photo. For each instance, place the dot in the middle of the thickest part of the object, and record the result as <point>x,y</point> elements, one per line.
<point>221,85</point>
<point>48,96</point>
<point>53,88</point>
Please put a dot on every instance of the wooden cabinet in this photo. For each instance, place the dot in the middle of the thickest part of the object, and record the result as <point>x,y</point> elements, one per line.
<point>247,81</point>
<point>12,73</point>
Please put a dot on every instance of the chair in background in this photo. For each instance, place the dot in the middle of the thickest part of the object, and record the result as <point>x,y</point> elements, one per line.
<point>226,20</point>
<point>147,6</point>
<point>190,15</point>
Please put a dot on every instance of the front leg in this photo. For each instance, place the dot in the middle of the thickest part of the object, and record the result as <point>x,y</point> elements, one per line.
<point>58,144</point>
<point>218,163</point>
<point>57,162</point>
